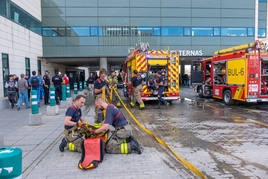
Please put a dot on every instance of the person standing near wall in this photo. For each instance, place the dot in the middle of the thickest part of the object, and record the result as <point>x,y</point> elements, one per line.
<point>23,92</point>
<point>57,81</point>
<point>46,87</point>
<point>11,86</point>
<point>35,82</point>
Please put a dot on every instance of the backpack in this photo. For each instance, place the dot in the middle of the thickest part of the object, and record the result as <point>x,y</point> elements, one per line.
<point>92,153</point>
<point>35,82</point>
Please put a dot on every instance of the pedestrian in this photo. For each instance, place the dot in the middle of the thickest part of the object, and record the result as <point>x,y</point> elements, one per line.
<point>136,82</point>
<point>35,82</point>
<point>160,83</point>
<point>65,79</point>
<point>46,80</point>
<point>99,84</point>
<point>41,87</point>
<point>11,86</point>
<point>23,92</point>
<point>72,117</point>
<point>121,140</point>
<point>16,78</point>
<point>57,81</point>
<point>90,82</point>
<point>29,86</point>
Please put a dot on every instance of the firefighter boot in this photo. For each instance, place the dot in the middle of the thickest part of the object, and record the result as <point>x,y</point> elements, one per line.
<point>142,106</point>
<point>63,144</point>
<point>132,105</point>
<point>118,105</point>
<point>135,146</point>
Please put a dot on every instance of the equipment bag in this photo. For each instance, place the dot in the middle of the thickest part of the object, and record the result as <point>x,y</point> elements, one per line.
<point>92,153</point>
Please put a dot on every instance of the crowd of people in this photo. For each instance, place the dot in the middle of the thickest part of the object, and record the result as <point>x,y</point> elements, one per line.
<point>19,89</point>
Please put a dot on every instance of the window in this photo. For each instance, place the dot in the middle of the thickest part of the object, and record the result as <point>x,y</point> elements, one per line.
<point>233,32</point>
<point>262,33</point>
<point>5,70</point>
<point>187,31</point>
<point>217,31</point>
<point>172,31</point>
<point>251,32</point>
<point>20,16</point>
<point>39,69</point>
<point>202,31</point>
<point>262,0</point>
<point>53,31</point>
<point>27,67</point>
<point>79,31</point>
<point>3,7</point>
<point>156,31</point>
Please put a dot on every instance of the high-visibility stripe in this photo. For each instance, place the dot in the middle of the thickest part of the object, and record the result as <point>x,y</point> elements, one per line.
<point>52,92</point>
<point>52,97</point>
<point>71,146</point>
<point>126,147</point>
<point>34,96</point>
<point>34,102</point>
<point>122,148</point>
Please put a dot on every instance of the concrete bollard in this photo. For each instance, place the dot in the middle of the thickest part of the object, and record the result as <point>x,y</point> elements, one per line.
<point>80,86</point>
<point>75,88</point>
<point>35,116</point>
<point>34,102</point>
<point>1,140</point>
<point>52,109</point>
<point>85,85</point>
<point>63,97</point>
<point>68,94</point>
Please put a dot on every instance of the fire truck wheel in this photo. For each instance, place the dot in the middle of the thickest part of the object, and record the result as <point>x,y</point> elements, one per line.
<point>227,97</point>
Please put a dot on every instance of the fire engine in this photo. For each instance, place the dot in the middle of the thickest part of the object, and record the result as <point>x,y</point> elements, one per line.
<point>148,63</point>
<point>238,73</point>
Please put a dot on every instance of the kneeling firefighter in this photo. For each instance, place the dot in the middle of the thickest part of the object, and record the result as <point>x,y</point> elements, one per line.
<point>73,137</point>
<point>113,82</point>
<point>121,141</point>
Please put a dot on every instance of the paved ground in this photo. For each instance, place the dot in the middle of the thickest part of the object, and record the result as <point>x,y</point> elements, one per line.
<point>202,131</point>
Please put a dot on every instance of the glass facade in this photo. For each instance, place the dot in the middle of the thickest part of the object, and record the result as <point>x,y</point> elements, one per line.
<point>13,12</point>
<point>150,31</point>
<point>95,28</point>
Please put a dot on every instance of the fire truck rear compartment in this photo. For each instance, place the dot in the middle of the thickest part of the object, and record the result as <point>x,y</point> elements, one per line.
<point>152,77</point>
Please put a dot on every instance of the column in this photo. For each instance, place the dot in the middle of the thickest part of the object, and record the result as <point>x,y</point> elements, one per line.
<point>103,63</point>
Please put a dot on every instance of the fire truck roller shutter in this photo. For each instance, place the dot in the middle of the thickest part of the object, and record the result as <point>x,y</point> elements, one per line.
<point>155,62</point>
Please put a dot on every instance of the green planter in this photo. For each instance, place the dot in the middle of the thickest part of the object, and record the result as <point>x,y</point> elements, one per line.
<point>68,91</point>
<point>10,163</point>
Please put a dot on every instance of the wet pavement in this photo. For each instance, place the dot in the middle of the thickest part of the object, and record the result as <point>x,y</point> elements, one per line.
<point>220,141</point>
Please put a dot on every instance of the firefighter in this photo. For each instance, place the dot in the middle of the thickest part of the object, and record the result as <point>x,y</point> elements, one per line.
<point>72,139</point>
<point>113,82</point>
<point>137,87</point>
<point>99,84</point>
<point>121,141</point>
<point>57,81</point>
<point>160,83</point>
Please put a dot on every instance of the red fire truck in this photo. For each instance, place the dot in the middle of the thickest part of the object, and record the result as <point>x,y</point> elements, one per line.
<point>238,73</point>
<point>148,63</point>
